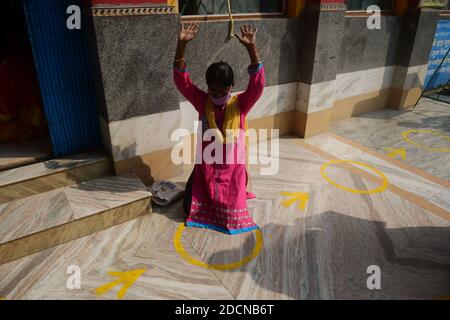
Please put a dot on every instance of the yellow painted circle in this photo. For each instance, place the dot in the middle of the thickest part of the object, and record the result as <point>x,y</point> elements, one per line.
<point>229,266</point>
<point>381,188</point>
<point>417,144</point>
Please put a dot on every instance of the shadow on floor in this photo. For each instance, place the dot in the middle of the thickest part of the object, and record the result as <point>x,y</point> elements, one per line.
<point>17,154</point>
<point>128,178</point>
<point>437,123</point>
<point>327,256</point>
<point>173,211</point>
<point>423,119</point>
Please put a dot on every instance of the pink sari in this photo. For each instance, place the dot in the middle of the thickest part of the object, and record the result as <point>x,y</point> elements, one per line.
<point>219,190</point>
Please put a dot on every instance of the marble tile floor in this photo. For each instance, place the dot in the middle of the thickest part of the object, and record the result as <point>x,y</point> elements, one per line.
<point>51,174</point>
<point>319,252</point>
<point>48,167</point>
<point>44,220</point>
<point>383,129</point>
<point>436,192</point>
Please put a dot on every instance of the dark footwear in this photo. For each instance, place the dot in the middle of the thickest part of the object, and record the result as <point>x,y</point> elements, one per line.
<point>445,92</point>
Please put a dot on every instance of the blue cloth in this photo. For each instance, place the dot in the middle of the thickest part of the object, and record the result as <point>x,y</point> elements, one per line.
<point>208,226</point>
<point>254,68</point>
<point>184,69</point>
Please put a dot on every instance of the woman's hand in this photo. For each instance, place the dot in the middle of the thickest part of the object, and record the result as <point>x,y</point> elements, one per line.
<point>248,37</point>
<point>188,32</point>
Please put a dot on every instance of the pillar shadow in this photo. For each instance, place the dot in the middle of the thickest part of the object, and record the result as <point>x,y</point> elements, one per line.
<point>326,256</point>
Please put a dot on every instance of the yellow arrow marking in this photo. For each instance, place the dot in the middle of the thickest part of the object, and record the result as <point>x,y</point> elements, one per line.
<point>301,197</point>
<point>127,278</point>
<point>392,152</point>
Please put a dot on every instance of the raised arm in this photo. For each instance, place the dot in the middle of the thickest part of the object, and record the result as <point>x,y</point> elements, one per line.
<point>187,33</point>
<point>256,83</point>
<point>180,75</point>
<point>248,40</point>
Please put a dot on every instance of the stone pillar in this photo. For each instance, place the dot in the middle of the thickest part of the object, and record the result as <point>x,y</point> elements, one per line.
<point>136,45</point>
<point>416,39</point>
<point>322,25</point>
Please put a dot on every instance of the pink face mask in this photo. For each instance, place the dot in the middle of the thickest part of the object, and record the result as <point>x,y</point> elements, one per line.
<point>222,100</point>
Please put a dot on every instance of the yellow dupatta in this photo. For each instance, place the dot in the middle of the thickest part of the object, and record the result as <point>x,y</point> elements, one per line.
<point>231,121</point>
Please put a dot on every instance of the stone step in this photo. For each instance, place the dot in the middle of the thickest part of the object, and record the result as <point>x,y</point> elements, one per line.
<point>44,176</point>
<point>54,217</point>
<point>16,154</point>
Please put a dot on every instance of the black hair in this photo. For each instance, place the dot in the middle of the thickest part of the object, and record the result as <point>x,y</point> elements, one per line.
<point>220,73</point>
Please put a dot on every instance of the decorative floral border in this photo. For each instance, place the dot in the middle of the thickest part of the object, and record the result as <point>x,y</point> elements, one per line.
<point>333,7</point>
<point>131,11</point>
<point>328,7</point>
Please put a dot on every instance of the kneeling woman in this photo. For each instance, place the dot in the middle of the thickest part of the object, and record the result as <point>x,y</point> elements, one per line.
<point>216,192</point>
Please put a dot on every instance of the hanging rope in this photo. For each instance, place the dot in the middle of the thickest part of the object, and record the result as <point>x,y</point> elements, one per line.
<point>231,32</point>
